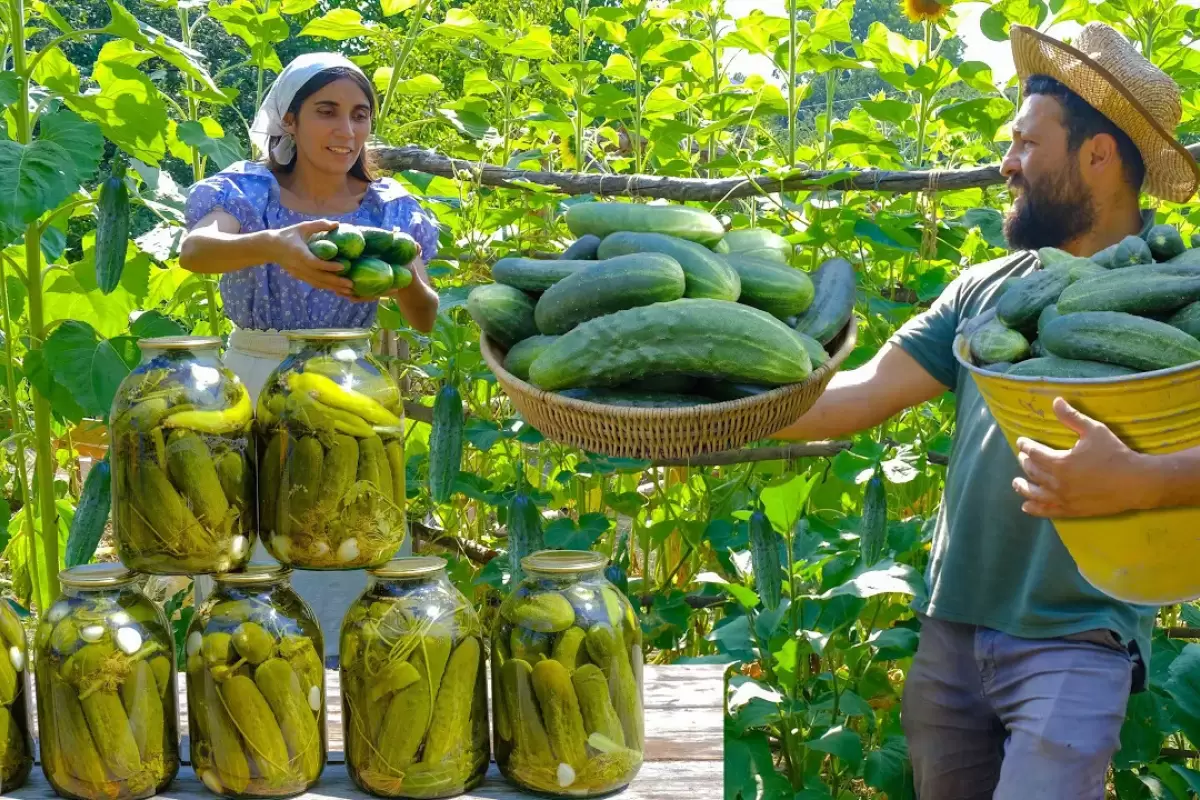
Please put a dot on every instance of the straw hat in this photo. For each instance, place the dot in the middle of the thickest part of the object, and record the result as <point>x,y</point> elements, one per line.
<point>1105,70</point>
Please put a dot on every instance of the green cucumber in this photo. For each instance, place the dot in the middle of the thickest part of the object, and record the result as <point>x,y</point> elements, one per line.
<point>817,355</point>
<point>994,342</point>
<point>1131,291</point>
<point>582,249</point>
<point>371,277</point>
<point>402,276</point>
<point>323,249</point>
<point>776,288</point>
<point>112,228</point>
<point>757,242</point>
<point>614,397</point>
<point>403,249</point>
<point>691,336</point>
<point>1131,251</point>
<point>1055,367</point>
<point>1048,313</point>
<point>1165,242</point>
<point>872,532</point>
<point>445,443</point>
<point>1052,256</point>
<point>346,263</point>
<point>1115,337</point>
<point>601,218</point>
<point>707,274</point>
<point>349,240</point>
<point>522,354</point>
<point>376,241</point>
<point>1020,306</point>
<point>723,391</point>
<point>505,314</point>
<point>764,558</point>
<point>535,274</point>
<point>603,287</point>
<point>833,301</point>
<point>1187,319</point>
<point>525,534</point>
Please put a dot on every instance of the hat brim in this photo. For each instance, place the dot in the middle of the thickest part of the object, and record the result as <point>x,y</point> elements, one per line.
<point>1171,171</point>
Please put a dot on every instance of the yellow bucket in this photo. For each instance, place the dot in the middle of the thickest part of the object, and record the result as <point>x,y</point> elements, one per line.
<point>1146,557</point>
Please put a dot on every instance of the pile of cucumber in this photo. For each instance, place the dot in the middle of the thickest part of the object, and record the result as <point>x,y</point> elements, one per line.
<point>657,306</point>
<point>374,259</point>
<point>1131,308</point>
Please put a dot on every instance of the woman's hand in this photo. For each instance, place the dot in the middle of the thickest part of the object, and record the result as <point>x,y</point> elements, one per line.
<point>290,246</point>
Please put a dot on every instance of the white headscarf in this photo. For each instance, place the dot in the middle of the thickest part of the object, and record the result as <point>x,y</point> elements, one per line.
<point>268,122</point>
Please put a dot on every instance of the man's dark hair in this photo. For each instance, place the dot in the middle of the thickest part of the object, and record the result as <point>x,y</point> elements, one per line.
<point>1083,121</point>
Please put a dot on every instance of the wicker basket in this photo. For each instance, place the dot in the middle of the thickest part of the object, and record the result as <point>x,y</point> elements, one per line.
<point>665,433</point>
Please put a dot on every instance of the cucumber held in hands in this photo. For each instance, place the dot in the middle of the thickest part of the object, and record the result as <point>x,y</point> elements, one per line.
<point>347,242</point>
<point>401,276</point>
<point>372,277</point>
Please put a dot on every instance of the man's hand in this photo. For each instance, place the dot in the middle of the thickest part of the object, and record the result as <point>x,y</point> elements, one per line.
<point>1097,477</point>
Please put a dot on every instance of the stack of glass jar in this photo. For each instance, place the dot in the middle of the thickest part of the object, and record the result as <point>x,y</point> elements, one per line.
<point>318,472</point>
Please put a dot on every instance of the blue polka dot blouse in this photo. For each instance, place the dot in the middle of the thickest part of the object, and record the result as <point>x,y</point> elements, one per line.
<point>265,297</point>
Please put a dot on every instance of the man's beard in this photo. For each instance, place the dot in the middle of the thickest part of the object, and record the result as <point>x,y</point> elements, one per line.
<point>1050,212</point>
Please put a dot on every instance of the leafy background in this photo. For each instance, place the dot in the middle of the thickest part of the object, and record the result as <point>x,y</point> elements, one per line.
<point>599,86</point>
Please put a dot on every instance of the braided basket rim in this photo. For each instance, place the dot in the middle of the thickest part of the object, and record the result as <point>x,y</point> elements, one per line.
<point>686,431</point>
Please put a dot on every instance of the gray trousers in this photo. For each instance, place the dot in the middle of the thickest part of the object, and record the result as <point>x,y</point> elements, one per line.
<point>988,715</point>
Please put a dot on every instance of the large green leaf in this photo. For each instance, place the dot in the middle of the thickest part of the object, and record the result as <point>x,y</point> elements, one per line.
<point>460,23</point>
<point>55,72</point>
<point>983,115</point>
<point>784,498</point>
<point>1184,687</point>
<point>259,31</point>
<point>534,44</point>
<point>33,180</point>
<point>90,366</point>
<point>841,742</point>
<point>175,53</point>
<point>339,24</point>
<point>889,770</point>
<point>128,107</point>
<point>62,402</point>
<point>222,152</point>
<point>419,85</point>
<point>1147,722</point>
<point>152,324</point>
<point>996,20</point>
<point>884,578</point>
<point>80,138</point>
<point>10,88</point>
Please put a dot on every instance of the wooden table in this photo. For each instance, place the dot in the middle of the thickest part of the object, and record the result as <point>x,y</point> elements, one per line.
<point>684,747</point>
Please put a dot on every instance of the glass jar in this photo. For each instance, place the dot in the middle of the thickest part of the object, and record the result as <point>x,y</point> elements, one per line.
<point>16,744</point>
<point>567,678</point>
<point>182,461</point>
<point>331,434</point>
<point>414,691</point>
<point>256,686</point>
<point>106,694</point>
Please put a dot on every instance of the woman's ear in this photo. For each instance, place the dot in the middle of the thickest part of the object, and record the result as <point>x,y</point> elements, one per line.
<point>289,122</point>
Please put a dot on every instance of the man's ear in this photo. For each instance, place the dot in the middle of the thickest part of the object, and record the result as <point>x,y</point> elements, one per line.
<point>1102,154</point>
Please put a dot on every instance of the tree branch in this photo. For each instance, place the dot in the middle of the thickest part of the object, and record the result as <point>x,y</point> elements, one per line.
<point>700,189</point>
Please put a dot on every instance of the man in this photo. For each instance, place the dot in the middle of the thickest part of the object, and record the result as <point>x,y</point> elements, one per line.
<point>1019,686</point>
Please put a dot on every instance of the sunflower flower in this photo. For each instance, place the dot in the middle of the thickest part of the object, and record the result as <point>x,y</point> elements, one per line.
<point>926,10</point>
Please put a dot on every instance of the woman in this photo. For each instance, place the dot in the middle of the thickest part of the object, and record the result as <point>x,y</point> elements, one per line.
<point>250,224</point>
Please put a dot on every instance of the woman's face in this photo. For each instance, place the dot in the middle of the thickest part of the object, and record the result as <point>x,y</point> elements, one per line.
<point>334,124</point>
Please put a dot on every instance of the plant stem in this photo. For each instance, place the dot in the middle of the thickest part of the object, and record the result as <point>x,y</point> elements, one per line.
<point>410,40</point>
<point>579,87</point>
<point>791,154</point>
<point>18,425</point>
<point>43,435</point>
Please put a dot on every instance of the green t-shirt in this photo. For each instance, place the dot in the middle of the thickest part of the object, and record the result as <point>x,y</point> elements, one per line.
<point>991,563</point>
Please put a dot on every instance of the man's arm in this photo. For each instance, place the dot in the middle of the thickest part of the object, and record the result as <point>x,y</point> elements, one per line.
<point>865,397</point>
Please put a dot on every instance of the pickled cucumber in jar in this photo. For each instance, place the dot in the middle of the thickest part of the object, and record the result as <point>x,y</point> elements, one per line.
<point>566,666</point>
<point>183,466</point>
<point>106,693</point>
<point>330,433</point>
<point>16,744</point>
<point>414,693</point>
<point>256,687</point>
